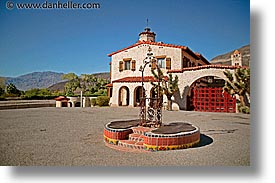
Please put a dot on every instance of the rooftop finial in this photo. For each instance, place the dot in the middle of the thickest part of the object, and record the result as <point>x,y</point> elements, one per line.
<point>147,35</point>
<point>147,29</point>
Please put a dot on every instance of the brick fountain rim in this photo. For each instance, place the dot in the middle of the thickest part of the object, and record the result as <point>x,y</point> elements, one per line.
<point>118,133</point>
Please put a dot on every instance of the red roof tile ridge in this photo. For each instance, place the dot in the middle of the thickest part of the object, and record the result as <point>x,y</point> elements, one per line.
<point>109,85</point>
<point>204,67</point>
<point>139,42</point>
<point>59,98</point>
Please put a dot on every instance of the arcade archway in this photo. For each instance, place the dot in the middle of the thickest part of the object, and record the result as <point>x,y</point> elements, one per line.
<point>138,95</point>
<point>123,96</point>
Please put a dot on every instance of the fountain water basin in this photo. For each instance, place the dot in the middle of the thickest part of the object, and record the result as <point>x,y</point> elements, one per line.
<point>172,136</point>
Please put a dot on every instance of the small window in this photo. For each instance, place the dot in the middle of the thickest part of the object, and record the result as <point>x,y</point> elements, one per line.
<point>161,62</point>
<point>127,65</point>
<point>184,62</point>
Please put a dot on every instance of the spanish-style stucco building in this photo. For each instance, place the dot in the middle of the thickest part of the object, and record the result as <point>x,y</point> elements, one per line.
<point>125,87</point>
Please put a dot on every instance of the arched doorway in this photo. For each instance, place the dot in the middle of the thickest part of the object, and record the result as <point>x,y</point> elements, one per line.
<point>123,96</point>
<point>206,94</point>
<point>138,95</point>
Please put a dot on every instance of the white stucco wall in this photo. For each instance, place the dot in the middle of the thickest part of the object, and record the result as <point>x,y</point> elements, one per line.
<point>131,86</point>
<point>138,54</point>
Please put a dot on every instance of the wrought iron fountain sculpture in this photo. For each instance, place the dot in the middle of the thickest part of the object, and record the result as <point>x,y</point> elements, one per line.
<point>150,116</point>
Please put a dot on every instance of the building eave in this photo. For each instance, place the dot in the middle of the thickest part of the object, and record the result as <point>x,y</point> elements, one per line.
<point>205,67</point>
<point>185,48</point>
<point>203,58</point>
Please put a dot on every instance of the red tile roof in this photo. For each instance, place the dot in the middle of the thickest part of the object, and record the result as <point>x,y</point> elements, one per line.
<point>185,48</point>
<point>137,79</point>
<point>236,52</point>
<point>61,98</point>
<point>204,67</point>
<point>202,58</point>
<point>109,85</point>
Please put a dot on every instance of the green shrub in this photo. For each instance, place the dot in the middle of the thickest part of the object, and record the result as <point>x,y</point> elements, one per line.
<point>2,91</point>
<point>12,90</point>
<point>102,100</point>
<point>12,95</point>
<point>93,101</point>
<point>2,98</point>
<point>244,109</point>
<point>38,94</point>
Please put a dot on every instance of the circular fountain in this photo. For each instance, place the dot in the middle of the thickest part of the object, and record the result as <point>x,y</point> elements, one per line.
<point>128,134</point>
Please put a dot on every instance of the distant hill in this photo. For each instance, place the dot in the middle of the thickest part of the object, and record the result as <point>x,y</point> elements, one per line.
<point>104,75</point>
<point>225,59</point>
<point>60,85</point>
<point>35,80</point>
<point>48,79</point>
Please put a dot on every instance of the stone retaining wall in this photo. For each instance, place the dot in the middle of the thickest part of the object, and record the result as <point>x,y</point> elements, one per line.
<point>26,104</point>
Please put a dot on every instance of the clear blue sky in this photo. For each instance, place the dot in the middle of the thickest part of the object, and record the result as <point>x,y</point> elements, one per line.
<point>79,40</point>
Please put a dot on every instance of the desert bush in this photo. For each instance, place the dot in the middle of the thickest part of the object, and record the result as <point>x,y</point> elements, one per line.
<point>38,94</point>
<point>244,109</point>
<point>102,100</point>
<point>93,101</point>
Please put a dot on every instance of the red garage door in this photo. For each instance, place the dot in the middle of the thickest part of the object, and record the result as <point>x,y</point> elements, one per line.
<point>210,99</point>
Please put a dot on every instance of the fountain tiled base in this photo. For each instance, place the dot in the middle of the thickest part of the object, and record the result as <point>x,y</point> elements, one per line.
<point>152,139</point>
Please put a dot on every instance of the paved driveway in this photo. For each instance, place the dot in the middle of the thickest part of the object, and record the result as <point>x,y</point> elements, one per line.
<point>74,136</point>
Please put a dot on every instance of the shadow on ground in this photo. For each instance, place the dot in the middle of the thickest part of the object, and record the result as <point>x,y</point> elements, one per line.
<point>204,141</point>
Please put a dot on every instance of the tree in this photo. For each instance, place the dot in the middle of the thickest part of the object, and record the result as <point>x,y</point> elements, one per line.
<point>93,85</point>
<point>12,90</point>
<point>2,91</point>
<point>168,87</point>
<point>87,83</point>
<point>37,93</point>
<point>239,84</point>
<point>101,83</point>
<point>72,85</point>
<point>2,85</point>
<point>70,76</point>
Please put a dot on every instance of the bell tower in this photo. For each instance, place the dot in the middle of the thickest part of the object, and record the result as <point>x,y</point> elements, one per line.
<point>236,58</point>
<point>147,35</point>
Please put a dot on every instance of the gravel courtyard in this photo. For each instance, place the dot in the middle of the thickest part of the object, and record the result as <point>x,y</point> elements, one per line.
<point>74,137</point>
